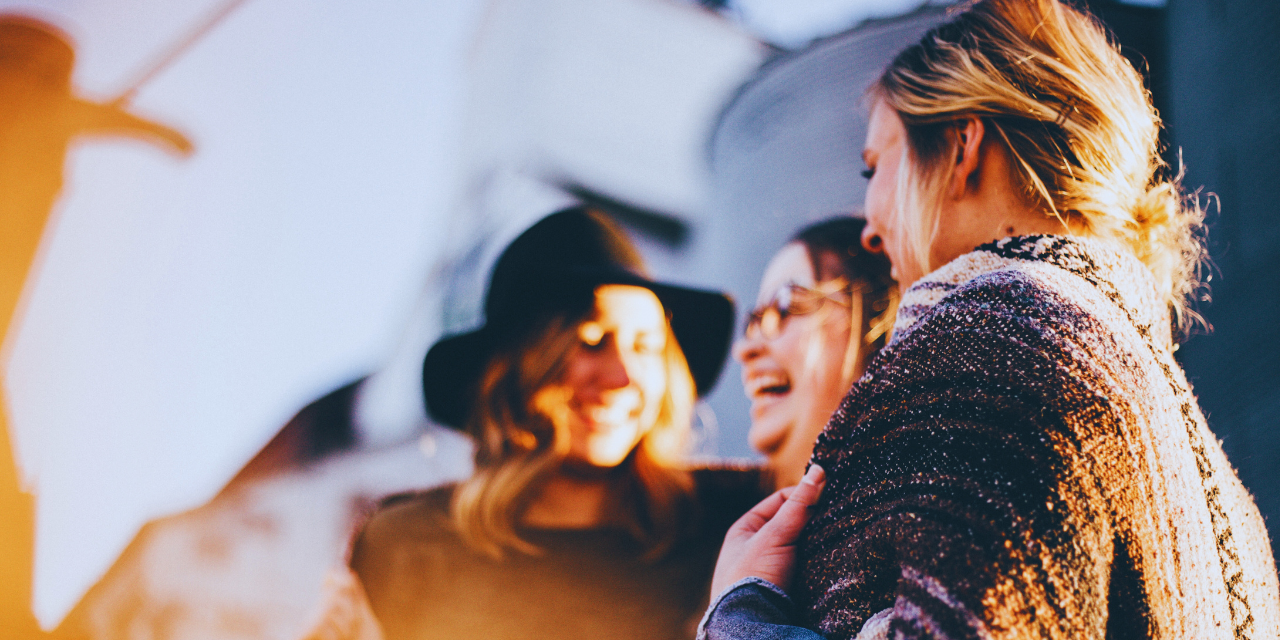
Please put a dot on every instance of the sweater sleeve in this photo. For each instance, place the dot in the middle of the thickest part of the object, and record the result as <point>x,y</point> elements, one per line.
<point>756,609</point>
<point>753,609</point>
<point>960,487</point>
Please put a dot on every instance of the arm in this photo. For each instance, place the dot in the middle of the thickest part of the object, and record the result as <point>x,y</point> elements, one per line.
<point>963,494</point>
<point>753,608</point>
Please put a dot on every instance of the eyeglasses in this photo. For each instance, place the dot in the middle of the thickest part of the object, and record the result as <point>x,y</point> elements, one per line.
<point>768,319</point>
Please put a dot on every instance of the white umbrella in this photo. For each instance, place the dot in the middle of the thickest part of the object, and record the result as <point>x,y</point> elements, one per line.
<point>186,309</point>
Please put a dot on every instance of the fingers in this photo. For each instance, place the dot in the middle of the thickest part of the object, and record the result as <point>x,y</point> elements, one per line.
<point>810,488</point>
<point>752,520</point>
<point>762,542</point>
<point>791,517</point>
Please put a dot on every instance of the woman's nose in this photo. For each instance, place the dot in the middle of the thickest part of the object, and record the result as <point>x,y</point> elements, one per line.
<point>612,372</point>
<point>871,240</point>
<point>749,347</point>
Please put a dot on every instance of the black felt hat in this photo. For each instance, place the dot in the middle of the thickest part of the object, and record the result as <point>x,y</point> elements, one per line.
<point>552,269</point>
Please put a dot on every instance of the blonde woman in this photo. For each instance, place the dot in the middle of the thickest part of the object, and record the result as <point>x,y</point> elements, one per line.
<point>825,308</point>
<point>1025,459</point>
<point>582,520</point>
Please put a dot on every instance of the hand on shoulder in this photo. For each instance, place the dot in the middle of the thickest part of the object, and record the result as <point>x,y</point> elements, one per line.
<point>762,542</point>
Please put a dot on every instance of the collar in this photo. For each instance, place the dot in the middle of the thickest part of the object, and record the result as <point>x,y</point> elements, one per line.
<point>1115,272</point>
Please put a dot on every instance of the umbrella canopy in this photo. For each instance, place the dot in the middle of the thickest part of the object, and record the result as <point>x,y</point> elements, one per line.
<point>185,309</point>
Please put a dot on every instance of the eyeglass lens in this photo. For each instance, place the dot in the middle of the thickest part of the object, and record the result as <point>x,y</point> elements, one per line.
<point>768,319</point>
<point>791,299</point>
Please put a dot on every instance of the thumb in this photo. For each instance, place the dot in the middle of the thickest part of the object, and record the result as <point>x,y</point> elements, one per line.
<point>785,526</point>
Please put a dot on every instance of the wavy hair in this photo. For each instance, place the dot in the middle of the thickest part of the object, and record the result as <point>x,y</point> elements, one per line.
<point>518,446</point>
<point>1077,123</point>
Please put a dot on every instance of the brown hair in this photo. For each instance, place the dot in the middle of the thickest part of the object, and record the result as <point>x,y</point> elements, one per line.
<point>835,251</point>
<point>518,446</point>
<point>1075,119</point>
<point>835,248</point>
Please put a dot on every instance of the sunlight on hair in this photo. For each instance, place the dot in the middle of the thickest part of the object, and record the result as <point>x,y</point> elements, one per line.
<point>1073,115</point>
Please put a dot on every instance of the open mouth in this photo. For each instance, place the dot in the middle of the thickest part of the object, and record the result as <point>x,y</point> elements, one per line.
<point>607,417</point>
<point>768,385</point>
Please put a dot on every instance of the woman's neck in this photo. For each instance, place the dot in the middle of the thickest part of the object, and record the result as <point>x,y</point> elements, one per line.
<point>568,501</point>
<point>990,206</point>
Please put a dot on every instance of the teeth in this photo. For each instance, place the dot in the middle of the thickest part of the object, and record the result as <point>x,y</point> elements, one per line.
<point>757,384</point>
<point>609,414</point>
<point>615,411</point>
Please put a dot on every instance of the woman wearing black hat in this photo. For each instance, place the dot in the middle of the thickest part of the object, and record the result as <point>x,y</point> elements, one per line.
<point>581,519</point>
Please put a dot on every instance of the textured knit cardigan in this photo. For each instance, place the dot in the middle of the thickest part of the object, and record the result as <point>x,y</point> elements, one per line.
<point>1026,460</point>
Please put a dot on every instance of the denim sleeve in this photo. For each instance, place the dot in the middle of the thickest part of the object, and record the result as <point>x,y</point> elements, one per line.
<point>753,608</point>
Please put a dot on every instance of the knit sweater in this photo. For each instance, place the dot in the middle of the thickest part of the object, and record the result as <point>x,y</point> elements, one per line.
<point>1025,459</point>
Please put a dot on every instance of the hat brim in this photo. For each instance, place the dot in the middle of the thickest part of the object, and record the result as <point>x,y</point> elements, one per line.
<point>701,321</point>
<point>450,373</point>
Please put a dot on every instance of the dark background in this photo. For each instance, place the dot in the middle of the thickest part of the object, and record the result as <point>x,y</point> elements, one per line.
<point>1224,114</point>
<point>1215,77</point>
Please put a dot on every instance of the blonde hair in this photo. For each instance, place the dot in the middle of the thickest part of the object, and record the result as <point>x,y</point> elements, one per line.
<point>1075,119</point>
<point>518,445</point>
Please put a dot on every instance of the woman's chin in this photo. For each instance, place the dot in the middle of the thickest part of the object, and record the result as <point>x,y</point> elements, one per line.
<point>607,459</point>
<point>605,446</point>
<point>768,431</point>
<point>770,408</point>
<point>785,474</point>
<point>581,469</point>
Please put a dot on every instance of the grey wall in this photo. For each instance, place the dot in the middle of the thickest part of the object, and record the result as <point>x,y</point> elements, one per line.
<point>1224,114</point>
<point>785,153</point>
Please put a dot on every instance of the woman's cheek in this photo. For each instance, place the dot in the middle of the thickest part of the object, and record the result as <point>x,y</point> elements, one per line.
<point>653,386</point>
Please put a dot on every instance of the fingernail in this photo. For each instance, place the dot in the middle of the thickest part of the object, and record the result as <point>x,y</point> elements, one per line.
<point>815,475</point>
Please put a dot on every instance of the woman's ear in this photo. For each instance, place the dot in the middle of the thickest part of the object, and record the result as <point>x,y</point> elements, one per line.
<point>969,133</point>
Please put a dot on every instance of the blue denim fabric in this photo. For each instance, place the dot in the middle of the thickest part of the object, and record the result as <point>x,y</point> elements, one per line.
<point>753,608</point>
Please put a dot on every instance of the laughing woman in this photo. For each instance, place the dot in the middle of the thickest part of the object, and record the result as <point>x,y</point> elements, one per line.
<point>825,308</point>
<point>1025,459</point>
<point>582,519</point>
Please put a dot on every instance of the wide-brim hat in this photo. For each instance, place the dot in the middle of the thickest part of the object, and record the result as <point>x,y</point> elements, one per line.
<point>551,269</point>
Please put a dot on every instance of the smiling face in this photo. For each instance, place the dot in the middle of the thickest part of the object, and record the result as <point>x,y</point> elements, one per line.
<point>615,377</point>
<point>794,380</point>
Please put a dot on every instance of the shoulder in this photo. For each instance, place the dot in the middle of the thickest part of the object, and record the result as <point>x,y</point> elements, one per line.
<point>408,553</point>
<point>424,504</point>
<point>405,518</point>
<point>1016,288</point>
<point>987,335</point>
<point>1037,310</point>
<point>1080,285</point>
<point>1002,339</point>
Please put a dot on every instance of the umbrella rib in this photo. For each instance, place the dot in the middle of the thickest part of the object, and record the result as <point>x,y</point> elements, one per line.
<point>175,50</point>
